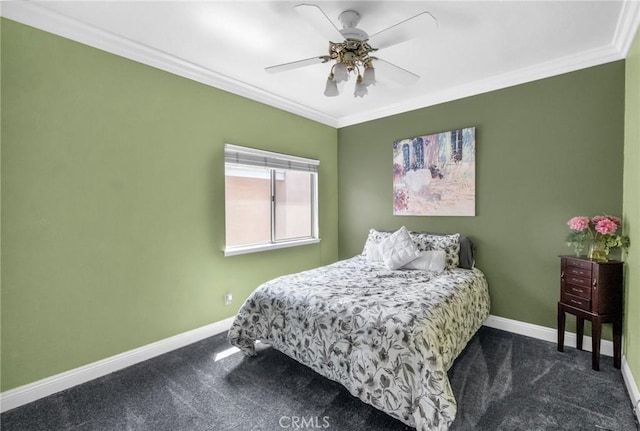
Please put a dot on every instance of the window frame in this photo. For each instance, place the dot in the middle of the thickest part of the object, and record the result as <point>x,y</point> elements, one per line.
<point>237,156</point>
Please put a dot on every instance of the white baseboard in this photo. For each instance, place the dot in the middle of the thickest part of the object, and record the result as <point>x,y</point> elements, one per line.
<point>42,388</point>
<point>544,333</point>
<point>45,387</point>
<point>632,387</point>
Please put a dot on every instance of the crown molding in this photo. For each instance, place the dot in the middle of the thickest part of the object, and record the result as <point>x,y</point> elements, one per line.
<point>626,29</point>
<point>628,25</point>
<point>539,71</point>
<point>38,16</point>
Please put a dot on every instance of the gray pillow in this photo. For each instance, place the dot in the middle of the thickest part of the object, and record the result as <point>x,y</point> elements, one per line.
<point>467,252</point>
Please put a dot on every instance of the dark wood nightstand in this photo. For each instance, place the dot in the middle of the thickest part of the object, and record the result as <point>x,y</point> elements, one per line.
<point>593,291</point>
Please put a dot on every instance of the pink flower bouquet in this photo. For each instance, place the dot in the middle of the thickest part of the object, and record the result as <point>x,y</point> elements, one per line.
<point>601,231</point>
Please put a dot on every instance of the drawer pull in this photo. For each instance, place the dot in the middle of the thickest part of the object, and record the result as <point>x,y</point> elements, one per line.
<point>573,301</point>
<point>576,290</point>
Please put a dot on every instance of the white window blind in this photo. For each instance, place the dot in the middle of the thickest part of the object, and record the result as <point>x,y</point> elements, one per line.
<point>236,155</point>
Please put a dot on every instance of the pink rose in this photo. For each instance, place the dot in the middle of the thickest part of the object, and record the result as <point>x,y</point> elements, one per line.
<point>596,219</point>
<point>605,226</point>
<point>578,223</point>
<point>612,219</point>
<point>616,220</point>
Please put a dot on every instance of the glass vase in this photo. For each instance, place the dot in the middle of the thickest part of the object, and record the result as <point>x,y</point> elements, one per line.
<point>598,251</point>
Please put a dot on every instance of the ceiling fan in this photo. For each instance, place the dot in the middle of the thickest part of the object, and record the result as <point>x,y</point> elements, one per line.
<point>352,52</point>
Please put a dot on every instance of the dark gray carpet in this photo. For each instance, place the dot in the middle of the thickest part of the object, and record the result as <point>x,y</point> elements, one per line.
<point>502,382</point>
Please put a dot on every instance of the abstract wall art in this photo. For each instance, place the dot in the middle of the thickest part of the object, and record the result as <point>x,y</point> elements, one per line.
<point>435,175</point>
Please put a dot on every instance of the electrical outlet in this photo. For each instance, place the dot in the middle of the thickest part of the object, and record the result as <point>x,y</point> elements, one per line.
<point>228,299</point>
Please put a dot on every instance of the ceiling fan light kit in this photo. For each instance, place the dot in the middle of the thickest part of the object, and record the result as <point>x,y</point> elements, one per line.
<point>340,72</point>
<point>361,89</point>
<point>369,76</point>
<point>331,89</point>
<point>353,54</point>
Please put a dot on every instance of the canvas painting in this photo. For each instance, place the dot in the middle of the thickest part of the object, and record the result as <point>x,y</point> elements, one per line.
<point>435,175</point>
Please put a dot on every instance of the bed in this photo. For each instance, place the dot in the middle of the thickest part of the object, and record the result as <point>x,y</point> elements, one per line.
<point>388,335</point>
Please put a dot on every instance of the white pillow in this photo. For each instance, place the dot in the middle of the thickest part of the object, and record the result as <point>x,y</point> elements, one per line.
<point>371,245</point>
<point>398,250</point>
<point>373,253</point>
<point>429,260</point>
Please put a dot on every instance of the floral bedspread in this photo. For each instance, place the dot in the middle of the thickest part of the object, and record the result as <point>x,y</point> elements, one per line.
<point>388,336</point>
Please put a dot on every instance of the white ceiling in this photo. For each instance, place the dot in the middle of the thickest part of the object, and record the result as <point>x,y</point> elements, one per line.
<point>478,46</point>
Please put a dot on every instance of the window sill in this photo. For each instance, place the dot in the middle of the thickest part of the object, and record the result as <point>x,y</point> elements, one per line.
<point>234,251</point>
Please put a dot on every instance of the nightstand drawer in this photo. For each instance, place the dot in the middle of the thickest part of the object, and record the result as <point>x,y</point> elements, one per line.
<point>579,263</point>
<point>576,301</point>
<point>578,271</point>
<point>578,281</point>
<point>581,291</point>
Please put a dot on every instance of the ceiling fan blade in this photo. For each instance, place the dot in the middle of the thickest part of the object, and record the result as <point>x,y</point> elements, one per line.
<point>320,21</point>
<point>404,30</point>
<point>296,64</point>
<point>389,71</point>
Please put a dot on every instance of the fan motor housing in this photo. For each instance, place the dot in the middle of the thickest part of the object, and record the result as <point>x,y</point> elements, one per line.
<point>354,34</point>
<point>350,20</point>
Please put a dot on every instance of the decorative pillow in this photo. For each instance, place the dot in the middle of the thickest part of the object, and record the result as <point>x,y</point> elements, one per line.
<point>370,250</point>
<point>449,243</point>
<point>467,248</point>
<point>398,249</point>
<point>430,260</point>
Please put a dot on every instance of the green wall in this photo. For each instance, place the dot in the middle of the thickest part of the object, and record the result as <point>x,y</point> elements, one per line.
<point>112,199</point>
<point>113,203</point>
<point>1,21</point>
<point>631,207</point>
<point>545,151</point>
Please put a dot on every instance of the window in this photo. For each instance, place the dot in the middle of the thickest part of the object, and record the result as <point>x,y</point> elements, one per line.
<point>270,200</point>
